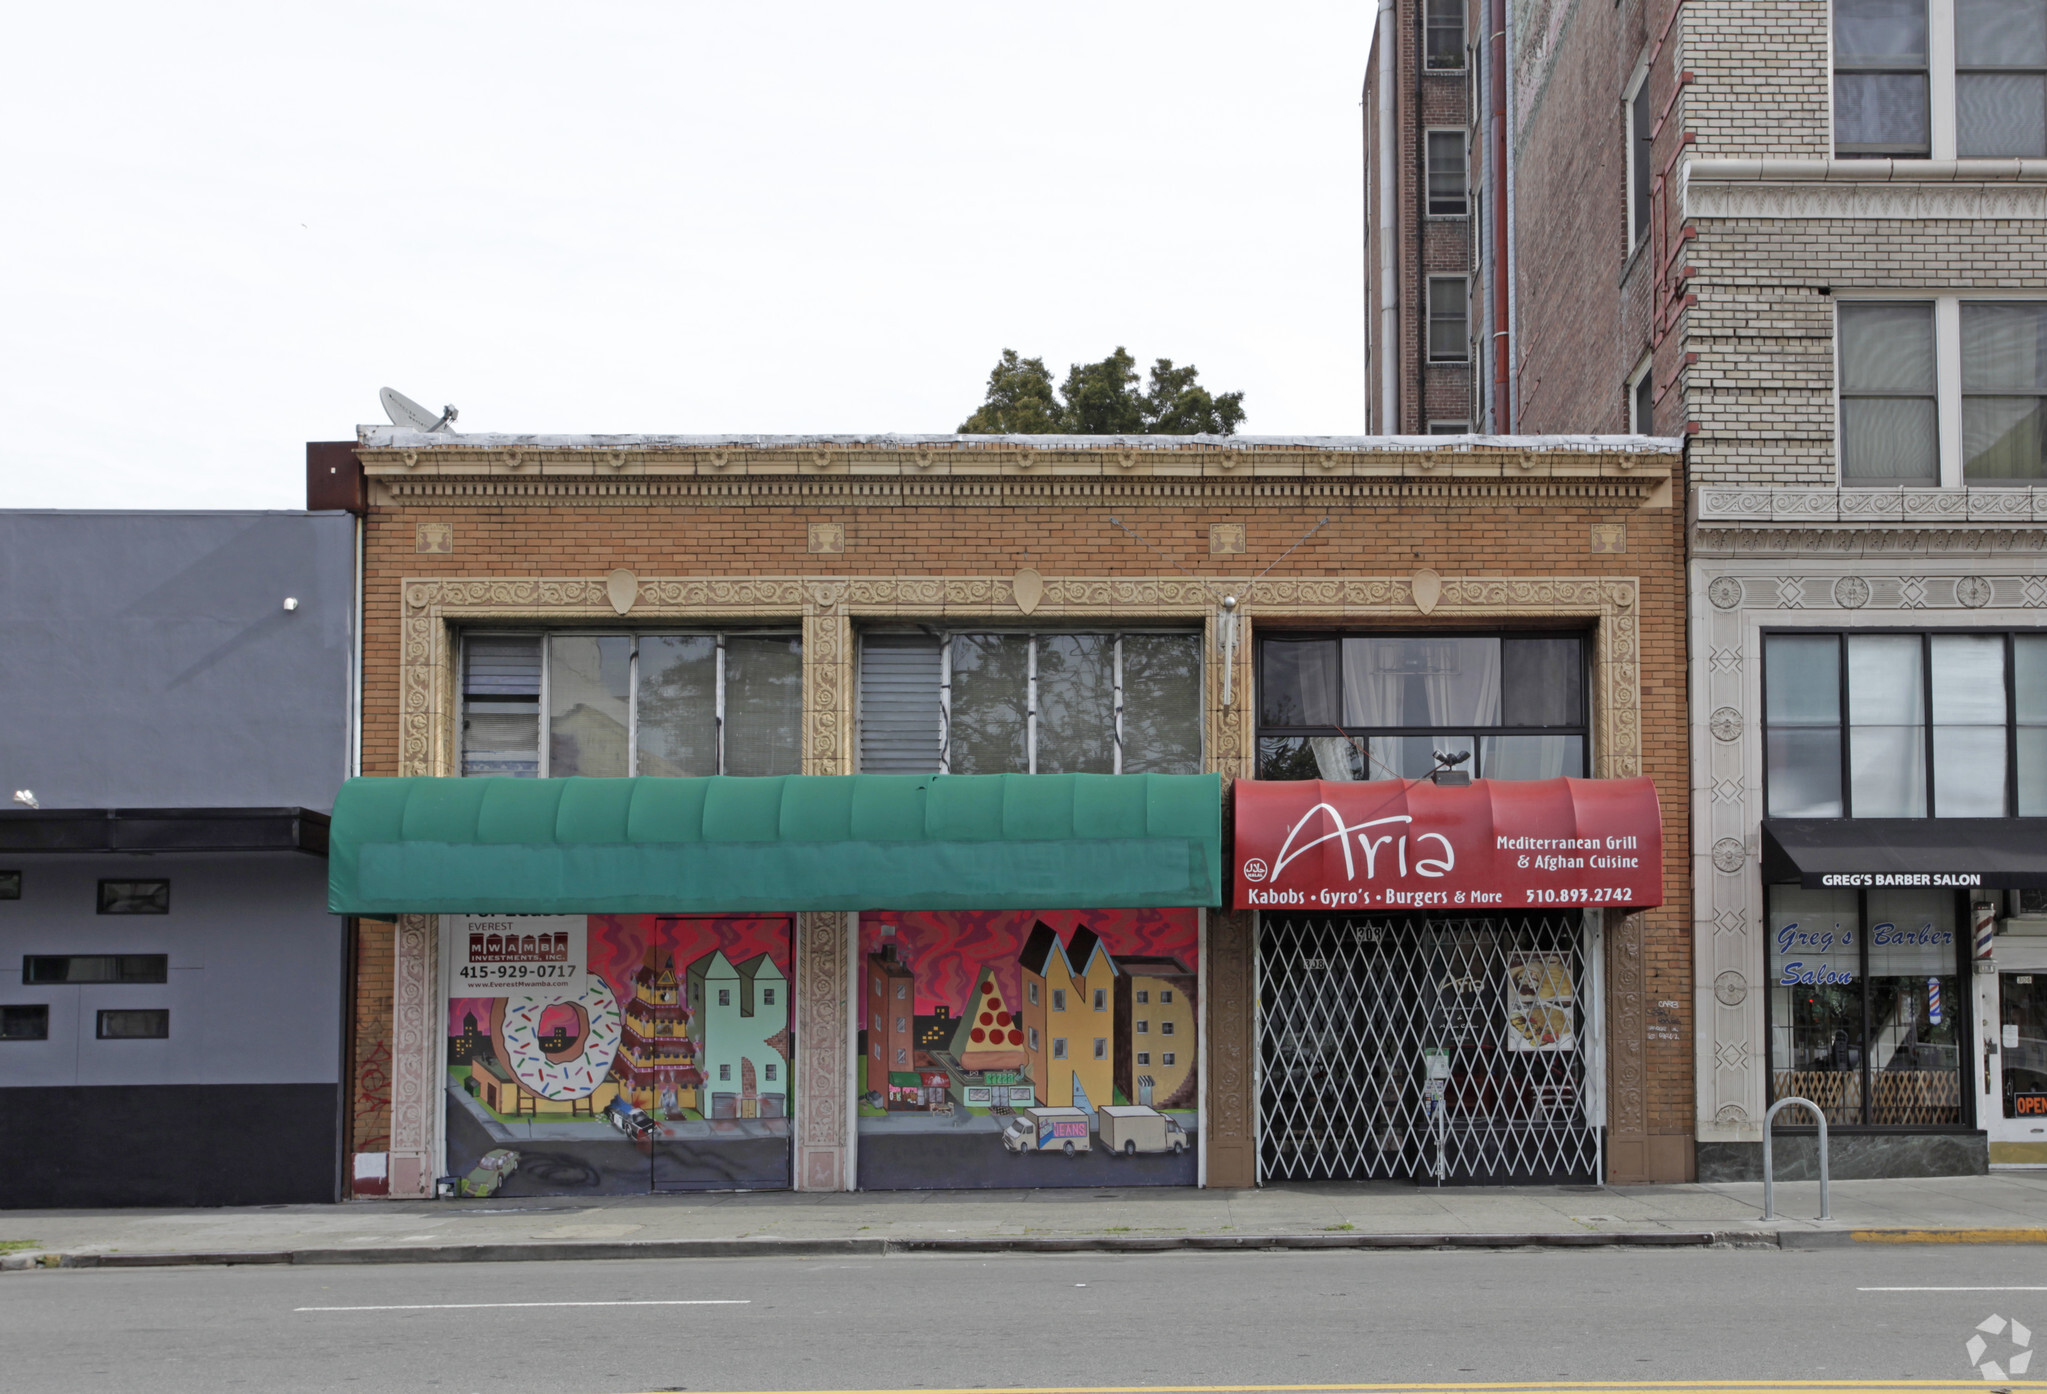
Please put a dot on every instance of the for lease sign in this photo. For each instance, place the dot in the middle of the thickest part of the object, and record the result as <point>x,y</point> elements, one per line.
<point>517,955</point>
<point>1409,845</point>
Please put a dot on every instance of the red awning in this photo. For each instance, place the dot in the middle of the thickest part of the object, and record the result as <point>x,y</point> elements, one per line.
<point>1410,845</point>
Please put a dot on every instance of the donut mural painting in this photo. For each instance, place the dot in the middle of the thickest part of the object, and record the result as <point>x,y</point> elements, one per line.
<point>660,1061</point>
<point>558,1072</point>
<point>989,1039</point>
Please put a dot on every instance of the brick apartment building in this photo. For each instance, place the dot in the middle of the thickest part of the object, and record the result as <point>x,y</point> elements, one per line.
<point>1811,238</point>
<point>850,606</point>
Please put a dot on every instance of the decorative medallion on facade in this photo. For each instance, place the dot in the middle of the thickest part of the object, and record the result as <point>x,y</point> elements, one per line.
<point>1728,855</point>
<point>1972,592</point>
<point>1725,724</point>
<point>1730,989</point>
<point>1851,592</point>
<point>1724,592</point>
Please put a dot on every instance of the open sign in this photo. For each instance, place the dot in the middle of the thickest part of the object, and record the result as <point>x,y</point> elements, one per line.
<point>2029,1105</point>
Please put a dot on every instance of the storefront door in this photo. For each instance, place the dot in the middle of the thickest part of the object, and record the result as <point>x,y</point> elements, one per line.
<point>1425,1048</point>
<point>2013,1009</point>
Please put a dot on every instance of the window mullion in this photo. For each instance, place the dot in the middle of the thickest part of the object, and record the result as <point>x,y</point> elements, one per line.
<point>718,683</point>
<point>1117,766</point>
<point>1940,78</point>
<point>1926,696</point>
<point>1947,386</point>
<point>632,708</point>
<point>546,721</point>
<point>945,704</point>
<point>1031,705</point>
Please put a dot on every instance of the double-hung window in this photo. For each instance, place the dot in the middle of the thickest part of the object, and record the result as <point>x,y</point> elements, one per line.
<point>1881,83</point>
<point>1942,391</point>
<point>612,705</point>
<point>1001,702</point>
<point>1444,39</point>
<point>1449,319</point>
<point>1870,725</point>
<point>1449,179</point>
<point>1941,78</point>
<point>1641,153</point>
<point>1387,706</point>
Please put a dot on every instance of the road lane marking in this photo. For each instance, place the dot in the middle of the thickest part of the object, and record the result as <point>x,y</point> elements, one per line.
<point>472,1306</point>
<point>1560,1386</point>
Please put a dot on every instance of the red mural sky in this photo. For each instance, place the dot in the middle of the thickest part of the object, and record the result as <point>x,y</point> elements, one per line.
<point>947,949</point>
<point>619,944</point>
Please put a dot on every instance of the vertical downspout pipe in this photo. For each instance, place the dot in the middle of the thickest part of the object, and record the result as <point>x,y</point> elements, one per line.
<point>1503,406</point>
<point>1389,193</point>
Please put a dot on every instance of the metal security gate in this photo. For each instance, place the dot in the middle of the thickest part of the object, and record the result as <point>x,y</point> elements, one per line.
<point>1424,1048</point>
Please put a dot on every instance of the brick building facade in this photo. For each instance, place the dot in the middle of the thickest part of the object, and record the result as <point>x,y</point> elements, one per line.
<point>1807,237</point>
<point>836,539</point>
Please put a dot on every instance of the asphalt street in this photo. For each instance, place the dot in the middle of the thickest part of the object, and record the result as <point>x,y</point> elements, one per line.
<point>1170,1321</point>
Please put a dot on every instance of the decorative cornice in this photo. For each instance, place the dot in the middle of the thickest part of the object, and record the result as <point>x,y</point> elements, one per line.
<point>1639,488</point>
<point>415,470</point>
<point>1865,189</point>
<point>1854,522</point>
<point>1831,540</point>
<point>1929,507</point>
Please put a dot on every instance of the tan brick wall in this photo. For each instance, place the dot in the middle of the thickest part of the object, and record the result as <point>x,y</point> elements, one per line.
<point>1519,537</point>
<point>369,1073</point>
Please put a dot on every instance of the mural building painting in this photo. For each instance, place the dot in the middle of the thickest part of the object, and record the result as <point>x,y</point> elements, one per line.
<point>1028,1048</point>
<point>652,1054</point>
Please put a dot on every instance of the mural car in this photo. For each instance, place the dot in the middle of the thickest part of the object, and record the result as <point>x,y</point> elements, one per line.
<point>1048,1130</point>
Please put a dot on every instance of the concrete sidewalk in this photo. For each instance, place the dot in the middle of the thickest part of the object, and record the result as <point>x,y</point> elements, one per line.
<point>2008,1207</point>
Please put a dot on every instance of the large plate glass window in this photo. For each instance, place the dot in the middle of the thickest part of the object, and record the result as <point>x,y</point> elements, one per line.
<point>1001,702</point>
<point>612,705</point>
<point>1865,1004</point>
<point>1386,706</point>
<point>1937,725</point>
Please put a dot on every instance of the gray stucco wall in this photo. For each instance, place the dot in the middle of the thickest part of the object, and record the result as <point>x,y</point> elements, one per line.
<point>147,659</point>
<point>255,971</point>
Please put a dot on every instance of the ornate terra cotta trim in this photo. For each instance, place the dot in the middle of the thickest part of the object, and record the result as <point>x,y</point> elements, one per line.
<point>824,1083</point>
<point>416,1044</point>
<point>828,607</point>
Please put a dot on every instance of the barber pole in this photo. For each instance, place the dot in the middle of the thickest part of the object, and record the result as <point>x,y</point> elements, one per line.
<point>1984,913</point>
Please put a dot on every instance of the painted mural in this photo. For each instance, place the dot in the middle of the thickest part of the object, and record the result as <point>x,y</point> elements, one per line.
<point>620,1054</point>
<point>1010,1048</point>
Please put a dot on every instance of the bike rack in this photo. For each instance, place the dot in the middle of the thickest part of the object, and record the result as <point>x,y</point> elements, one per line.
<point>1769,1178</point>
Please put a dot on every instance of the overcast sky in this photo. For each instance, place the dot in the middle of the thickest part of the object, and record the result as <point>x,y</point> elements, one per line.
<point>227,225</point>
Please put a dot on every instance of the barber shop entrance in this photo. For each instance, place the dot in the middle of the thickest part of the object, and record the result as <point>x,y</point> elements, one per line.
<point>1427,1048</point>
<point>1429,993</point>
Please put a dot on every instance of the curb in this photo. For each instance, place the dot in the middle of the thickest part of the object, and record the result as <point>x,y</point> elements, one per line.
<point>816,1248</point>
<point>1845,1238</point>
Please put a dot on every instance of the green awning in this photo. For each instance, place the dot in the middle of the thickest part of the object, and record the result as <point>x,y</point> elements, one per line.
<point>797,842</point>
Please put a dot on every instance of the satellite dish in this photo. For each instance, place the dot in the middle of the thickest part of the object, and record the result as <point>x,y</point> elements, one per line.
<point>405,412</point>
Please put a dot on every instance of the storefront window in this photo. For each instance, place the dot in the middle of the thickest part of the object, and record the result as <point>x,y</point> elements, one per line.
<point>1008,703</point>
<point>1865,1004</point>
<point>620,704</point>
<point>1816,1000</point>
<point>1385,707</point>
<point>1930,729</point>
